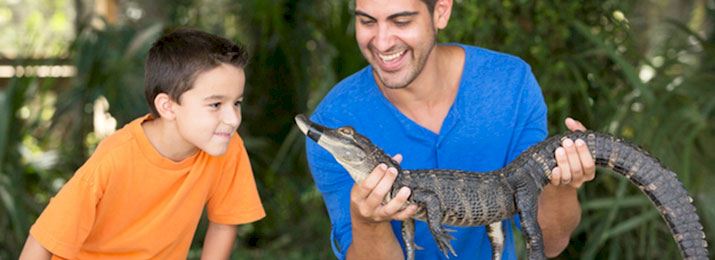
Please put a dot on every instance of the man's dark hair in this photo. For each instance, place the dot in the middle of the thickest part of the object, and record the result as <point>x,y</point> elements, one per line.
<point>430,5</point>
<point>177,58</point>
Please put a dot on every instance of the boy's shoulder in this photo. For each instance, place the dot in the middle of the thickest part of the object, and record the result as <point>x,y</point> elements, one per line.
<point>121,139</point>
<point>112,153</point>
<point>117,148</point>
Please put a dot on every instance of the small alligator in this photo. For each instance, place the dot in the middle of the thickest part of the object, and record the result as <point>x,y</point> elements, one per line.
<point>463,198</point>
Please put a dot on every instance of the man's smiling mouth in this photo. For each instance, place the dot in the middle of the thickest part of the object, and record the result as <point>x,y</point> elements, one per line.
<point>388,58</point>
<point>391,62</point>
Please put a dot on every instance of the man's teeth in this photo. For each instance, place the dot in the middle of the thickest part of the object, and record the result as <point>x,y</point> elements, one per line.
<point>390,57</point>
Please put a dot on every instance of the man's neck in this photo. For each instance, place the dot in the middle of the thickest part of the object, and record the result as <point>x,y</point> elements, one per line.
<point>428,98</point>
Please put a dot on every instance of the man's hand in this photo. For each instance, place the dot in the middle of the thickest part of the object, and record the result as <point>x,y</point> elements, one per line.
<point>367,196</point>
<point>559,209</point>
<point>575,163</point>
<point>372,233</point>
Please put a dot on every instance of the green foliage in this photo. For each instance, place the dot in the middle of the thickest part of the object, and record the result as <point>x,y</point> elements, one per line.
<point>605,63</point>
<point>35,28</point>
<point>109,64</point>
<point>12,214</point>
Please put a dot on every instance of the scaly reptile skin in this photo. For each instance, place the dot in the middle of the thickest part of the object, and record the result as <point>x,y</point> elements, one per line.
<point>462,198</point>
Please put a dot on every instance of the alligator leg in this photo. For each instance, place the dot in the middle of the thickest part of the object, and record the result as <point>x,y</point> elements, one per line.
<point>495,232</point>
<point>527,204</point>
<point>434,220</point>
<point>408,235</point>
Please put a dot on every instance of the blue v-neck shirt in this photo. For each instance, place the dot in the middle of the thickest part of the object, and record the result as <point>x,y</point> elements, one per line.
<point>498,112</point>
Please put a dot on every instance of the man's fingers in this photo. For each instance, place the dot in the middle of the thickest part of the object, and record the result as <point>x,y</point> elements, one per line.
<point>574,125</point>
<point>392,208</point>
<point>575,168</point>
<point>368,184</point>
<point>377,195</point>
<point>589,167</point>
<point>397,158</point>
<point>563,164</point>
<point>578,165</point>
<point>405,213</point>
<point>556,176</point>
<point>397,201</point>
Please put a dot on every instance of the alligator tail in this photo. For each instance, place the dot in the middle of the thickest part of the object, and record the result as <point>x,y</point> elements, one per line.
<point>655,180</point>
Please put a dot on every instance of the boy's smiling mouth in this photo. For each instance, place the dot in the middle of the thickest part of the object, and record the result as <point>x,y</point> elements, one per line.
<point>223,134</point>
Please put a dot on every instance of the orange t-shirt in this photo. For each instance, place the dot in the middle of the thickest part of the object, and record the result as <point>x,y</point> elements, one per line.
<point>127,201</point>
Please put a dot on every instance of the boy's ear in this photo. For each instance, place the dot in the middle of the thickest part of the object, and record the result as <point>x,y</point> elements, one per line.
<point>165,106</point>
<point>442,12</point>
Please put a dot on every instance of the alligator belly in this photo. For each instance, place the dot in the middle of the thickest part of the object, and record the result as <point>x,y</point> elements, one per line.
<point>479,205</point>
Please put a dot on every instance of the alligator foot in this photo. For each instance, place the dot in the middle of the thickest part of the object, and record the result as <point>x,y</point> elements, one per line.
<point>408,234</point>
<point>434,220</point>
<point>443,241</point>
<point>495,232</point>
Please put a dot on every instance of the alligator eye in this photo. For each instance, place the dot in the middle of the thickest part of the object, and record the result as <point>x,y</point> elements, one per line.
<point>346,130</point>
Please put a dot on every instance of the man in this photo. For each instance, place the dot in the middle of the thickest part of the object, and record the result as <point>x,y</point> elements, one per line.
<point>446,106</point>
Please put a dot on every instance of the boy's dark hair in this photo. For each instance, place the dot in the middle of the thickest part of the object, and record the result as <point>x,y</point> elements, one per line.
<point>177,58</point>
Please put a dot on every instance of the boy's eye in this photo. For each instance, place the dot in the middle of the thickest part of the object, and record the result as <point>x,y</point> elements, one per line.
<point>238,103</point>
<point>214,105</point>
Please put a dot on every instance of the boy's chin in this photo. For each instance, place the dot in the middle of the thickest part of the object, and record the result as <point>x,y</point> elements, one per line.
<point>216,151</point>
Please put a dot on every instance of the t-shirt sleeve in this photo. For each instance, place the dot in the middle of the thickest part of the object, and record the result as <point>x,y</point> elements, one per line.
<point>236,200</point>
<point>531,116</point>
<point>67,220</point>
<point>334,184</point>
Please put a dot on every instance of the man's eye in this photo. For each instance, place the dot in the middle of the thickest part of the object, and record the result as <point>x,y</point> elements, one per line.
<point>402,23</point>
<point>366,22</point>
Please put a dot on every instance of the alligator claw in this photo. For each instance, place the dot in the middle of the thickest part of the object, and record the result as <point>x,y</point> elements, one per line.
<point>418,247</point>
<point>443,242</point>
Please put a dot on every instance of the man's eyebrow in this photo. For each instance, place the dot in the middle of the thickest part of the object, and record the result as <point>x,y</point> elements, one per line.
<point>405,13</point>
<point>392,16</point>
<point>361,13</point>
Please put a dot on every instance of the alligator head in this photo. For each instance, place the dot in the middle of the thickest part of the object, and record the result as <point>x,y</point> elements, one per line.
<point>353,151</point>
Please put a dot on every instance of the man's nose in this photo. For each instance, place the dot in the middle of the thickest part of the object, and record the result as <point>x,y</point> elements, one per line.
<point>384,40</point>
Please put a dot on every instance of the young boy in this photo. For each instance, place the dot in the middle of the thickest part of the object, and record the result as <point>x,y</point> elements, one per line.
<point>141,194</point>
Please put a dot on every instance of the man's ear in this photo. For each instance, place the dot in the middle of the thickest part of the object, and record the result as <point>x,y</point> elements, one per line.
<point>442,12</point>
<point>165,106</point>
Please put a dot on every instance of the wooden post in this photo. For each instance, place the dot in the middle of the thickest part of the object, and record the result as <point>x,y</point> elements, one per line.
<point>107,9</point>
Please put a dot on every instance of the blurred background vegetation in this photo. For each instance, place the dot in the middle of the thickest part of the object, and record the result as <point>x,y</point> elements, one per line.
<point>72,71</point>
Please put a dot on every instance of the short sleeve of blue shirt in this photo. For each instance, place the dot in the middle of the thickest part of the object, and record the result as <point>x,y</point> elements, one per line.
<point>498,112</point>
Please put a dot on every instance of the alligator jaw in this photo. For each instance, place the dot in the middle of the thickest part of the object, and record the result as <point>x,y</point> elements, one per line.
<point>314,131</point>
<point>353,155</point>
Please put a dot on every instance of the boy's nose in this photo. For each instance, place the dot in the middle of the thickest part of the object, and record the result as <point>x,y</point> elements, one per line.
<point>231,116</point>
